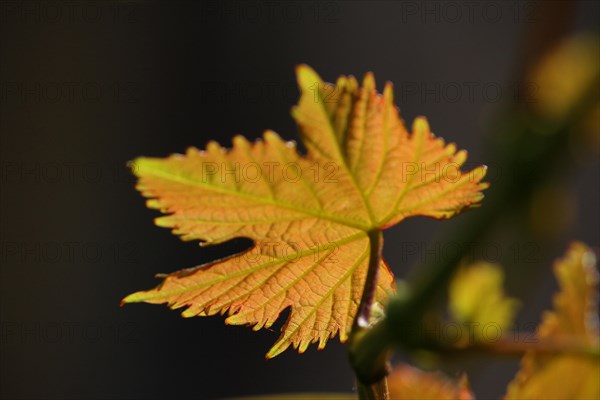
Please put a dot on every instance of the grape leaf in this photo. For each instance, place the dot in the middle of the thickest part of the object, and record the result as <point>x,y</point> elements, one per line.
<point>308,215</point>
<point>409,383</point>
<point>476,298</point>
<point>575,317</point>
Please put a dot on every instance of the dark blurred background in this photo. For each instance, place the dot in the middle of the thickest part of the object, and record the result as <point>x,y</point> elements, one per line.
<point>87,86</point>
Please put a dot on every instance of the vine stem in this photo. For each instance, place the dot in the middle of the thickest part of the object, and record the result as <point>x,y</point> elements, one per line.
<point>361,321</point>
<point>379,389</point>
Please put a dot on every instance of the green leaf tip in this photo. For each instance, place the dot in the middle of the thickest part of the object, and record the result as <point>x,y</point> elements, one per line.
<point>307,77</point>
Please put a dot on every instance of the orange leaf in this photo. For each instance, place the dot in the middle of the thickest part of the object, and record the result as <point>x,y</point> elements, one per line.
<point>309,216</point>
<point>575,318</point>
<point>409,383</point>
